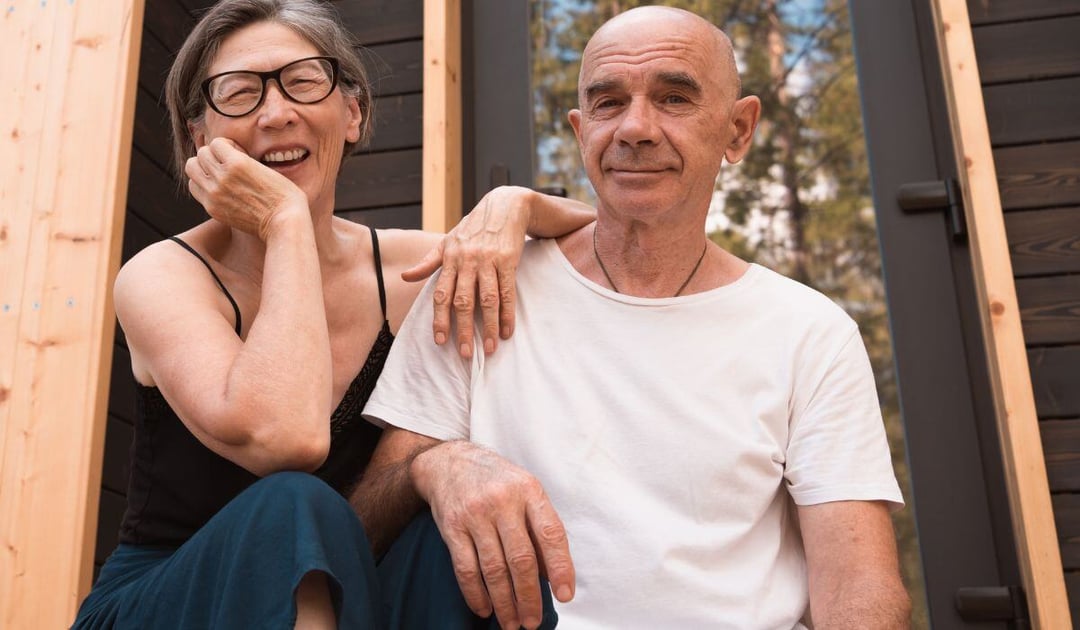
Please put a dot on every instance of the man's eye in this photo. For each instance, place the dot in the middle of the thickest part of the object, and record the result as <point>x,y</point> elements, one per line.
<point>675,99</point>
<point>605,103</point>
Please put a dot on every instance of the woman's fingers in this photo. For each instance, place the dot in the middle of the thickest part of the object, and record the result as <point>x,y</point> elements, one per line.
<point>441,298</point>
<point>464,305</point>
<point>490,304</point>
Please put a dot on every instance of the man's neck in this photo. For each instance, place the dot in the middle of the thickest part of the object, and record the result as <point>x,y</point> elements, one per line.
<point>634,258</point>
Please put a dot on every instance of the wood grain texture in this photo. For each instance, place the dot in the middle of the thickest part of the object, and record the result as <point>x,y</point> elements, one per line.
<point>396,68</point>
<point>992,11</point>
<point>1039,176</point>
<point>1054,373</point>
<point>153,196</point>
<point>381,179</point>
<point>383,21</point>
<point>1061,441</point>
<point>398,123</point>
<point>71,71</point>
<point>1033,111</point>
<point>1050,310</point>
<point>1067,518</point>
<point>1044,241</point>
<point>406,217</point>
<point>151,133</point>
<point>1025,51</point>
<point>442,154</point>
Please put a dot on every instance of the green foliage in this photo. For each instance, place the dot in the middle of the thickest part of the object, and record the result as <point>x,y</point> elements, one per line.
<point>800,201</point>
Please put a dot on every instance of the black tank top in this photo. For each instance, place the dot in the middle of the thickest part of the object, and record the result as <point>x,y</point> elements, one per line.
<point>177,483</point>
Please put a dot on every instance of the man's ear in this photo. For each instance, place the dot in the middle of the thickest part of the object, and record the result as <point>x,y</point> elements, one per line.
<point>574,116</point>
<point>354,119</point>
<point>195,131</point>
<point>744,119</point>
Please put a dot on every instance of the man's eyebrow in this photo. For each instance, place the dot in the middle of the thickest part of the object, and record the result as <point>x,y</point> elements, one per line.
<point>680,79</point>
<point>599,87</point>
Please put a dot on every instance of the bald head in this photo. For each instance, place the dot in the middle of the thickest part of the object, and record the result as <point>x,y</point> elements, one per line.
<point>655,24</point>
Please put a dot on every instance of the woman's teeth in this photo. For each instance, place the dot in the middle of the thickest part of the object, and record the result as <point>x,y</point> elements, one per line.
<point>284,156</point>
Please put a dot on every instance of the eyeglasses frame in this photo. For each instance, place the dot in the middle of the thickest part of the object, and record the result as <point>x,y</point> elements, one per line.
<point>276,76</point>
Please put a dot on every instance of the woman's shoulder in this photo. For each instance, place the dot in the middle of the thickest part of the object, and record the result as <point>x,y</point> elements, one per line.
<point>404,248</point>
<point>162,266</point>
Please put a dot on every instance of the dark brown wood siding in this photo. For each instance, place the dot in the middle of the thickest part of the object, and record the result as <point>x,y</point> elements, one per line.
<point>1029,63</point>
<point>379,186</point>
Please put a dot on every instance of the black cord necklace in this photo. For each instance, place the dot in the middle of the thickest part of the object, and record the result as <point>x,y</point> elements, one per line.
<point>614,288</point>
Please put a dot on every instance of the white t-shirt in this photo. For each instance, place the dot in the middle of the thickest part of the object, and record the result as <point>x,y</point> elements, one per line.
<point>671,434</point>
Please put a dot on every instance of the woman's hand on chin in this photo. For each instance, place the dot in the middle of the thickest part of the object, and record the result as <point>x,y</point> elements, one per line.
<point>238,190</point>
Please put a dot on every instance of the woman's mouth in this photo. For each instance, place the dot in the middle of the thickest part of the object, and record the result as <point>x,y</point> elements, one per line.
<point>288,157</point>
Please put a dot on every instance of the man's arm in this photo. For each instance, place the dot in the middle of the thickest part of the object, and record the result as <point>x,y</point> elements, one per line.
<point>497,522</point>
<point>385,499</point>
<point>853,568</point>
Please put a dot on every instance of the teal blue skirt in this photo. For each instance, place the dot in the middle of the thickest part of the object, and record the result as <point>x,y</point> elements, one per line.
<point>241,570</point>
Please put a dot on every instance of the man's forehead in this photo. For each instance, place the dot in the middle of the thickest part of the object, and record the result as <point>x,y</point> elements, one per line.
<point>658,63</point>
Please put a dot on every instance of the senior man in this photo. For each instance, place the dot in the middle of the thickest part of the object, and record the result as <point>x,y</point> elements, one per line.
<point>673,436</point>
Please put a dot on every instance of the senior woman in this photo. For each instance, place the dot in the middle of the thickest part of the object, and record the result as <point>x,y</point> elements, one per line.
<point>257,336</point>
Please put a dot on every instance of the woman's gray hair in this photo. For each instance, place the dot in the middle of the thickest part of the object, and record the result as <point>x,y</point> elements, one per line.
<point>314,20</point>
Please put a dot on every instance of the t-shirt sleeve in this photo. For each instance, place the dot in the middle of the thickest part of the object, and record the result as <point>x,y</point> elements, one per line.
<point>837,447</point>
<point>424,388</point>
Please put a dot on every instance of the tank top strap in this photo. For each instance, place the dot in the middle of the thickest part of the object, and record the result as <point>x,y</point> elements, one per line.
<point>236,308</point>
<point>378,272</point>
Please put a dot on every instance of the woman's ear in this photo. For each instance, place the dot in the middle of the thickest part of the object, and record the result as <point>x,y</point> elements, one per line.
<point>744,120</point>
<point>195,131</point>
<point>353,119</point>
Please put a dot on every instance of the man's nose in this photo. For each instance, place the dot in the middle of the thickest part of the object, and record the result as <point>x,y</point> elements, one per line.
<point>638,125</point>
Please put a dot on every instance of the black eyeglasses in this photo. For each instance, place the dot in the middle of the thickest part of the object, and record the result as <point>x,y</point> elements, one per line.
<point>240,92</point>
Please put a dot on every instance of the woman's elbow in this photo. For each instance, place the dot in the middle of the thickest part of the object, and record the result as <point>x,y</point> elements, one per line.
<point>294,448</point>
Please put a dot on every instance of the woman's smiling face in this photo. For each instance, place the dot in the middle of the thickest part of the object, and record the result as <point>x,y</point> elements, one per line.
<point>302,142</point>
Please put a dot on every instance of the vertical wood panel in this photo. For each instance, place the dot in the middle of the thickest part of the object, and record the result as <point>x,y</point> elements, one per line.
<point>442,115</point>
<point>70,68</point>
<point>1014,403</point>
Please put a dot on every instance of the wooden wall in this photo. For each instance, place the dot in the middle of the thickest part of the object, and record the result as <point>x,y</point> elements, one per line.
<point>379,186</point>
<point>1029,63</point>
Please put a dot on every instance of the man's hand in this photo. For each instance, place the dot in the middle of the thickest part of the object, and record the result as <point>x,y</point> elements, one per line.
<point>501,529</point>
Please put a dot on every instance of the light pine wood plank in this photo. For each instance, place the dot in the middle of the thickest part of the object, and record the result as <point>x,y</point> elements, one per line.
<point>442,115</point>
<point>70,68</point>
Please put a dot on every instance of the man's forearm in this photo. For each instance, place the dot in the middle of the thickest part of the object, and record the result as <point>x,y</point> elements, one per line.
<point>867,601</point>
<point>385,499</point>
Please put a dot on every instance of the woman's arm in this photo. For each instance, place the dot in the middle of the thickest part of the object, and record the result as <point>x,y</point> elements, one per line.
<point>261,402</point>
<point>479,258</point>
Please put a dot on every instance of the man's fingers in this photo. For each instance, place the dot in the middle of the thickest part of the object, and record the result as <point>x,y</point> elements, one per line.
<point>489,306</point>
<point>467,570</point>
<point>500,588</point>
<point>524,571</point>
<point>444,291</point>
<point>464,305</point>
<point>553,547</point>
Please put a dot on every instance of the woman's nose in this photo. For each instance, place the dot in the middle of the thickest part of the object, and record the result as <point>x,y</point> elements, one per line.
<point>276,110</point>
